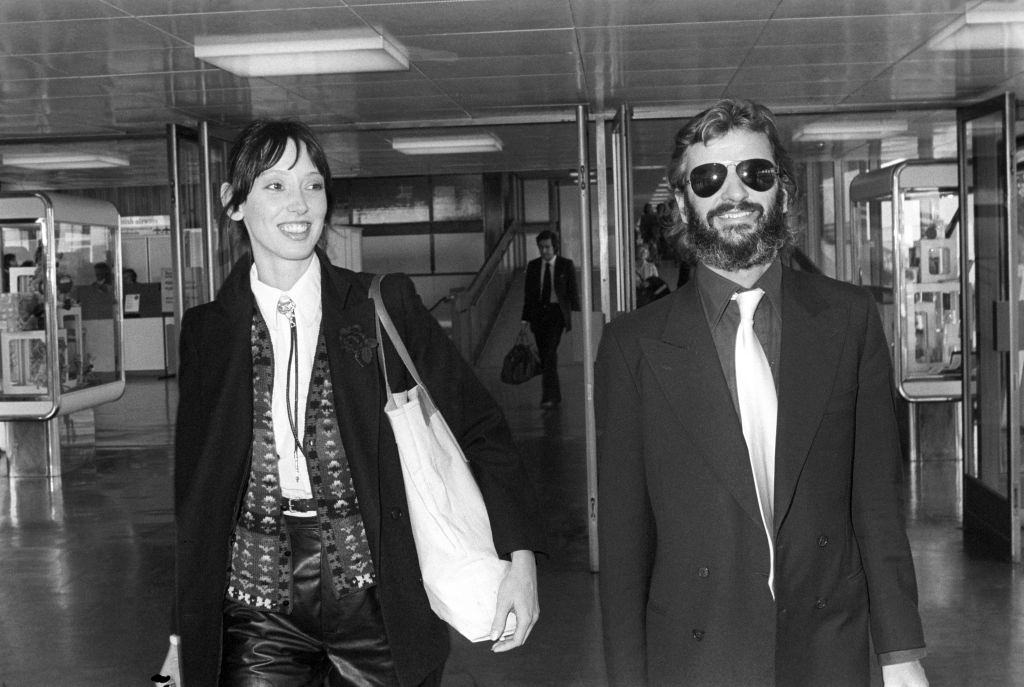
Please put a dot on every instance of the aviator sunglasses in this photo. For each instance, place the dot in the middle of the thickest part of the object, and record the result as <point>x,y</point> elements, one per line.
<point>757,173</point>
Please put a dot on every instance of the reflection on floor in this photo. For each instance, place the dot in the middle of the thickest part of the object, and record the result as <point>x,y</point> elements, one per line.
<point>85,562</point>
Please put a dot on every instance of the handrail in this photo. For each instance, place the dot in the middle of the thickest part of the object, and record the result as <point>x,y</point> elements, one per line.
<point>476,307</point>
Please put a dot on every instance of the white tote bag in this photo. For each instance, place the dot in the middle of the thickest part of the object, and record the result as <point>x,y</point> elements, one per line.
<point>461,570</point>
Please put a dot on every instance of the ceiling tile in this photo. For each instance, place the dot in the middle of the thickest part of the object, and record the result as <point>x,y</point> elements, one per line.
<point>789,9</point>
<point>842,73</point>
<point>826,53</point>
<point>50,10</point>
<point>80,36</point>
<point>366,91</point>
<point>907,30</point>
<point>557,89</point>
<point>695,37</point>
<point>187,26</point>
<point>104,62</point>
<point>453,68</point>
<point>660,12</point>
<point>18,69</point>
<point>521,43</point>
<point>143,8</point>
<point>89,66</point>
<point>658,61</point>
<point>477,16</point>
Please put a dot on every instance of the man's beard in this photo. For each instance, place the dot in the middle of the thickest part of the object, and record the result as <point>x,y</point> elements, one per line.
<point>740,248</point>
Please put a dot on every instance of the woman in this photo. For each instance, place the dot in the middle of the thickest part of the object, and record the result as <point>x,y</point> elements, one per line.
<point>286,472</point>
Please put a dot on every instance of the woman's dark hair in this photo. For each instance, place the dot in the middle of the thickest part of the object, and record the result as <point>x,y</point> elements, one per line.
<point>258,148</point>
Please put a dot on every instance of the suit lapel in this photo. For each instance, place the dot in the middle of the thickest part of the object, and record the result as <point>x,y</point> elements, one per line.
<point>230,358</point>
<point>686,366</point>
<point>812,341</point>
<point>348,324</point>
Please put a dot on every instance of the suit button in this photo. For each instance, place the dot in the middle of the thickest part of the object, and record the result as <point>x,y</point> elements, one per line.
<point>823,541</point>
<point>820,603</point>
<point>395,513</point>
<point>698,635</point>
<point>703,572</point>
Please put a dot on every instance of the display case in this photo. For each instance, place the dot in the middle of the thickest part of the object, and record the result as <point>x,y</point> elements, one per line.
<point>906,248</point>
<point>61,345</point>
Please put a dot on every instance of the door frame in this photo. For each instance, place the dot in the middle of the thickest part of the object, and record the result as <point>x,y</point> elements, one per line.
<point>991,521</point>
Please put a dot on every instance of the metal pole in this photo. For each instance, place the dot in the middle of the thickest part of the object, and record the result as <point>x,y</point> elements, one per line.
<point>207,201</point>
<point>602,215</point>
<point>588,336</point>
<point>177,236</point>
<point>625,117</point>
<point>617,228</point>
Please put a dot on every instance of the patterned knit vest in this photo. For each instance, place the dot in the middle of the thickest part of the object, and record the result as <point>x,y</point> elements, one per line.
<point>260,573</point>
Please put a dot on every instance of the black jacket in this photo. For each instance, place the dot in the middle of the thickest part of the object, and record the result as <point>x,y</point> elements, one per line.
<point>214,436</point>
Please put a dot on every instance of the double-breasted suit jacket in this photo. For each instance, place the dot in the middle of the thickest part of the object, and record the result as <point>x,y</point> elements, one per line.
<point>214,438</point>
<point>683,552</point>
<point>563,285</point>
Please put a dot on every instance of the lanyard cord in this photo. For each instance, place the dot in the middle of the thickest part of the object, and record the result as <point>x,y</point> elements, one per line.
<point>292,400</point>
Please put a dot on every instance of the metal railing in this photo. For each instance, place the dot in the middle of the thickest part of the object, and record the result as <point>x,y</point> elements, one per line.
<point>475,308</point>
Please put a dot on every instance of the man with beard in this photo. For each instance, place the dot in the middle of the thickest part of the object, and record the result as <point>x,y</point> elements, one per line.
<point>748,456</point>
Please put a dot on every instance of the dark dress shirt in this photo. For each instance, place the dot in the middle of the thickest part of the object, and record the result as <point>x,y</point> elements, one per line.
<point>724,318</point>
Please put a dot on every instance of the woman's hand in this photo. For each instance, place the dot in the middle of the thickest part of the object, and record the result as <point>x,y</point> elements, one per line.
<point>517,594</point>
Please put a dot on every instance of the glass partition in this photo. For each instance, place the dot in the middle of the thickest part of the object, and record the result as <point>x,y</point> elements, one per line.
<point>60,316</point>
<point>906,239</point>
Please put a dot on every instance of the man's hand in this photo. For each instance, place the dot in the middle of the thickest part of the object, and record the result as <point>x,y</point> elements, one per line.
<point>517,594</point>
<point>909,674</point>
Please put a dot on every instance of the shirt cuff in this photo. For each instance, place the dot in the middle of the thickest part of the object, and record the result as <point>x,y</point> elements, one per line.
<point>891,658</point>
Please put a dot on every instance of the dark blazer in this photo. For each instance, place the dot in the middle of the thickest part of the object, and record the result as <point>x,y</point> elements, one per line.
<point>214,437</point>
<point>564,287</point>
<point>683,556</point>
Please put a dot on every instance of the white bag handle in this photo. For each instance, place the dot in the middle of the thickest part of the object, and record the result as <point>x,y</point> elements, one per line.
<point>396,340</point>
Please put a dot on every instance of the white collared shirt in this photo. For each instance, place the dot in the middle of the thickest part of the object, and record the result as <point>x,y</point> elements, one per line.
<point>308,312</point>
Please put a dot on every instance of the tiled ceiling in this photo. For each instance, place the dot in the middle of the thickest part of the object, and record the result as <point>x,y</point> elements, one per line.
<point>108,75</point>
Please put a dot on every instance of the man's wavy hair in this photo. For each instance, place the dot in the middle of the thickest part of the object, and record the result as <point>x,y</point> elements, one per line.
<point>724,116</point>
<point>258,148</point>
<point>728,114</point>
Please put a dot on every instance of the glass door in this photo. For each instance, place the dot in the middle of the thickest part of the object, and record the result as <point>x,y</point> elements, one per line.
<point>991,335</point>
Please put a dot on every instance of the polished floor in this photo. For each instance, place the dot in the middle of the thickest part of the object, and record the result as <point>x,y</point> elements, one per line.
<point>85,560</point>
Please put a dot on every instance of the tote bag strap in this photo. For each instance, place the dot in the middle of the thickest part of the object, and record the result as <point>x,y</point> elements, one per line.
<point>384,319</point>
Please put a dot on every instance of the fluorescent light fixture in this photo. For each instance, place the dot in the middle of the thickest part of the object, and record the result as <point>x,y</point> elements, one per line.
<point>306,52</point>
<point>62,161</point>
<point>446,145</point>
<point>991,26</point>
<point>859,130</point>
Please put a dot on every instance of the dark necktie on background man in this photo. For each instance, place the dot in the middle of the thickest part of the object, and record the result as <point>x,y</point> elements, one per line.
<point>545,286</point>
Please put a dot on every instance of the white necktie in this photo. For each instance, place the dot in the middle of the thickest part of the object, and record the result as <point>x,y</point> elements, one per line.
<point>759,409</point>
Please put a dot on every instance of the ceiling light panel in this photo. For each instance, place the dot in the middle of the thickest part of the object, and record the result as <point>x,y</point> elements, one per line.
<point>447,145</point>
<point>54,161</point>
<point>305,52</point>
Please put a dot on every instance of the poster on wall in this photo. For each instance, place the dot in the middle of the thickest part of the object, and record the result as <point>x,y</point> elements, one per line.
<point>145,225</point>
<point>167,290</point>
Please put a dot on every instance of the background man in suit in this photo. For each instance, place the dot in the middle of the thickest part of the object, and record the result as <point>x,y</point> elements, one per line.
<point>550,298</point>
<point>749,472</point>
<point>295,559</point>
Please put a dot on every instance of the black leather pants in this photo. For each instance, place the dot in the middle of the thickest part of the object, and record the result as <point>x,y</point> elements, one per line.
<point>323,641</point>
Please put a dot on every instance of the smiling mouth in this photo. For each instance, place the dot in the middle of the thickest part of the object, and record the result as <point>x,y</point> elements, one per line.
<point>294,228</point>
<point>741,214</point>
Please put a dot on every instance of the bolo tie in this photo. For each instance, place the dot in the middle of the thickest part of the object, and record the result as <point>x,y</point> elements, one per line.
<point>286,307</point>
